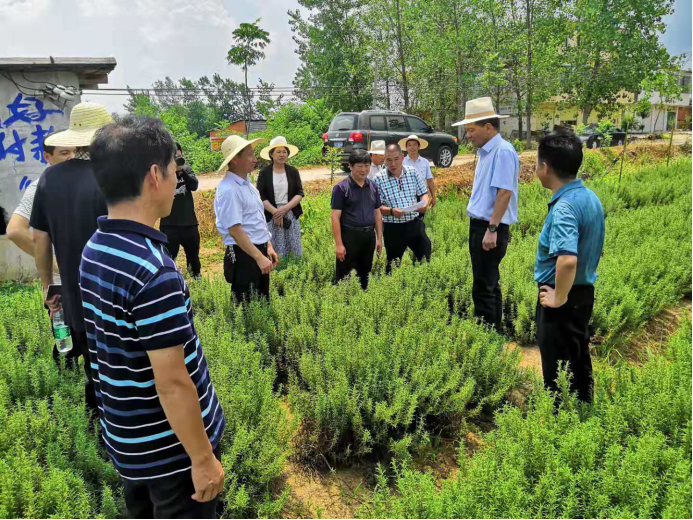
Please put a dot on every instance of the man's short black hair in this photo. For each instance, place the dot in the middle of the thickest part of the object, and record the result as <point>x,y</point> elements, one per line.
<point>562,153</point>
<point>50,150</point>
<point>179,147</point>
<point>359,157</point>
<point>123,152</point>
<point>494,122</point>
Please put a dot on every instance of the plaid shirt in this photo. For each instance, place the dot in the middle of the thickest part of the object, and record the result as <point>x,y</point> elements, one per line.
<point>400,192</point>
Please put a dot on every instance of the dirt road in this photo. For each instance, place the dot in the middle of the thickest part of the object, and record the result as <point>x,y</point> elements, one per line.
<point>211,181</point>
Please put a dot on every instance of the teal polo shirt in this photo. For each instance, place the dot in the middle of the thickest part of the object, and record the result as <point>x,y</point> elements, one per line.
<point>574,226</point>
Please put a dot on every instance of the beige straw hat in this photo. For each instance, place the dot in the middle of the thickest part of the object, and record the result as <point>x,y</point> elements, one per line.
<point>278,142</point>
<point>477,110</point>
<point>377,147</point>
<point>422,142</point>
<point>85,119</point>
<point>232,146</point>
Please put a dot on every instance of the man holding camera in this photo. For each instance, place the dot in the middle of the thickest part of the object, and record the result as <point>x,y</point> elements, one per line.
<point>180,227</point>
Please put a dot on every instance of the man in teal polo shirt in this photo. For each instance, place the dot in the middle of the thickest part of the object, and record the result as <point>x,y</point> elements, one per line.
<point>570,246</point>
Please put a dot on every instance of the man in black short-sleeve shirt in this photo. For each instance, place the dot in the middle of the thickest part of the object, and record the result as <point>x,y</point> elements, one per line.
<point>66,207</point>
<point>357,224</point>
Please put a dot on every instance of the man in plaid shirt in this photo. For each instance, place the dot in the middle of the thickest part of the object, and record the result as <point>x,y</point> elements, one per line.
<point>401,187</point>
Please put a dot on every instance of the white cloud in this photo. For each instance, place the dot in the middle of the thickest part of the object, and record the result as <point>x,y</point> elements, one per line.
<point>22,11</point>
<point>150,39</point>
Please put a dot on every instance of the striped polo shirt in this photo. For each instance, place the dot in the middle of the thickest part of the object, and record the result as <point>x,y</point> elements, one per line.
<point>136,300</point>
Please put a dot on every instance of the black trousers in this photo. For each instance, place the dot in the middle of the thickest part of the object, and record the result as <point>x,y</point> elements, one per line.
<point>167,497</point>
<point>243,273</point>
<point>564,337</point>
<point>486,290</point>
<point>360,246</point>
<point>80,347</point>
<point>399,237</point>
<point>189,238</point>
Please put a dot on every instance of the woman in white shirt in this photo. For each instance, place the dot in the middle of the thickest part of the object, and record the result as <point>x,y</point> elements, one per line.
<point>281,192</point>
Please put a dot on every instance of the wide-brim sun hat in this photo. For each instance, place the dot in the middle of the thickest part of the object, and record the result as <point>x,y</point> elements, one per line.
<point>232,146</point>
<point>85,120</point>
<point>278,142</point>
<point>422,142</point>
<point>378,147</point>
<point>478,110</point>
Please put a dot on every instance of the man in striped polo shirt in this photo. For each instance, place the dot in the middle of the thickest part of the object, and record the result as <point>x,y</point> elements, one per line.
<point>399,188</point>
<point>160,416</point>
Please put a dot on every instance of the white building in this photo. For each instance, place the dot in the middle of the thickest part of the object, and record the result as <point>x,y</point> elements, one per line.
<point>30,107</point>
<point>663,116</point>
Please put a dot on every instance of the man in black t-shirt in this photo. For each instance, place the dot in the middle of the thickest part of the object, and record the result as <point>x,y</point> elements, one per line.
<point>67,203</point>
<point>180,227</point>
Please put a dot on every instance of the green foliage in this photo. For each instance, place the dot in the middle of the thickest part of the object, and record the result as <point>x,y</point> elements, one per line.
<point>51,464</point>
<point>197,150</point>
<point>384,371</point>
<point>628,455</point>
<point>331,44</point>
<point>303,126</point>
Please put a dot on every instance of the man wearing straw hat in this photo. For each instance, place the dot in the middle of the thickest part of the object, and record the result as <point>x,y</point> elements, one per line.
<point>412,145</point>
<point>377,153</point>
<point>66,206</point>
<point>240,218</point>
<point>492,207</point>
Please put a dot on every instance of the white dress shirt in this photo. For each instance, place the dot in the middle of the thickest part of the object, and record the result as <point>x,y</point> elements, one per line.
<point>237,201</point>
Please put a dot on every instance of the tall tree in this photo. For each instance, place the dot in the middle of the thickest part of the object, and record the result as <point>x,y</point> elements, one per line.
<point>267,103</point>
<point>250,40</point>
<point>613,47</point>
<point>332,47</point>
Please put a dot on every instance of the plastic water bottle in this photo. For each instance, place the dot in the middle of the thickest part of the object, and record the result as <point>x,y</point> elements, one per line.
<point>61,332</point>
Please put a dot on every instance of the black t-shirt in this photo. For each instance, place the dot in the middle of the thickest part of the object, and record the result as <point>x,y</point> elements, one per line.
<point>67,203</point>
<point>183,210</point>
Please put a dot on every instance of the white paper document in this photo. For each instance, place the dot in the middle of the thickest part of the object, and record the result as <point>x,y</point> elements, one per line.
<point>416,206</point>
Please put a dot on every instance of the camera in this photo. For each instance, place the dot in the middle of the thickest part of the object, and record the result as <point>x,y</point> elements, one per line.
<point>180,161</point>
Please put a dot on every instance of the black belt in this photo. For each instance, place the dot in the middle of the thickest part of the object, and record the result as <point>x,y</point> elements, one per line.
<point>363,229</point>
<point>485,223</point>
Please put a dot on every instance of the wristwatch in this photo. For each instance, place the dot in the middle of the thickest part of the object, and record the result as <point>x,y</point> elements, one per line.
<point>493,228</point>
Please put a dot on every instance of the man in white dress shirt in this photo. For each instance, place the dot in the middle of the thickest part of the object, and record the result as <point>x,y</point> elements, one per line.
<point>240,218</point>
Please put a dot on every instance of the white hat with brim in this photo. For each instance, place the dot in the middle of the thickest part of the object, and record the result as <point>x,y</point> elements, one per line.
<point>232,146</point>
<point>377,147</point>
<point>478,110</point>
<point>85,120</point>
<point>422,142</point>
<point>278,142</point>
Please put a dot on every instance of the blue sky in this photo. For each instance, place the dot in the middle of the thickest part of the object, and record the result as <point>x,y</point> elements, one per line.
<point>152,39</point>
<point>678,35</point>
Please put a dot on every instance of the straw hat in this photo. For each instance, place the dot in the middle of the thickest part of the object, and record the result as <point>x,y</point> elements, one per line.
<point>232,146</point>
<point>85,119</point>
<point>477,110</point>
<point>377,147</point>
<point>422,142</point>
<point>278,142</point>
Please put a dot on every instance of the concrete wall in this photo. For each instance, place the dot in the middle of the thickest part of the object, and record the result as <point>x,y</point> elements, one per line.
<point>24,120</point>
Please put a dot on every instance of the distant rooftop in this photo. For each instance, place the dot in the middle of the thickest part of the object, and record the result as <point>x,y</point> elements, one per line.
<point>91,71</point>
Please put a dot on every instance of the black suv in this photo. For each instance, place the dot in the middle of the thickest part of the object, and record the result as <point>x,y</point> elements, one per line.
<point>357,130</point>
